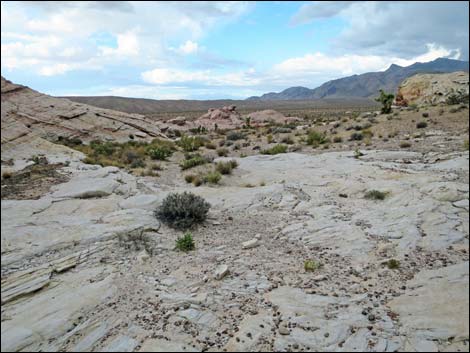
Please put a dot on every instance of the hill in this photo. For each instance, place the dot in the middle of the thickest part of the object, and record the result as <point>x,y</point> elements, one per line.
<point>366,85</point>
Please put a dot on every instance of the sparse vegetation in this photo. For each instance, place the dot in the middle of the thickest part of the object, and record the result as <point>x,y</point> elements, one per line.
<point>376,195</point>
<point>190,143</point>
<point>315,138</point>
<point>235,135</point>
<point>212,177</point>
<point>185,243</point>
<point>337,139</point>
<point>405,144</point>
<point>181,211</point>
<point>222,152</point>
<point>226,167</point>
<point>422,125</point>
<point>386,99</point>
<point>311,265</point>
<point>192,161</point>
<point>466,145</point>
<point>393,264</point>
<point>275,150</point>
<point>356,136</point>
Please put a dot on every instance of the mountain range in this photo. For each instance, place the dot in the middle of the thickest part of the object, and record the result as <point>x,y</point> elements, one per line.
<point>366,85</point>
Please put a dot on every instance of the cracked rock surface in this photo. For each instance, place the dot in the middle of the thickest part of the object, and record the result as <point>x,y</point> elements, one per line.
<point>88,267</point>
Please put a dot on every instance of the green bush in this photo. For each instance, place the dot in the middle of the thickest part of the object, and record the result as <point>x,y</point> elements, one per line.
<point>337,139</point>
<point>315,138</point>
<point>160,153</point>
<point>222,152</point>
<point>356,136</point>
<point>182,211</point>
<point>212,177</point>
<point>226,167</point>
<point>235,135</point>
<point>190,143</point>
<point>311,265</point>
<point>386,99</point>
<point>275,150</point>
<point>186,243</point>
<point>376,195</point>
<point>193,161</point>
<point>422,125</point>
<point>393,264</point>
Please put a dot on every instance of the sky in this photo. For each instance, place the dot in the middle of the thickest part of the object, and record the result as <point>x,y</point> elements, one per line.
<point>217,50</point>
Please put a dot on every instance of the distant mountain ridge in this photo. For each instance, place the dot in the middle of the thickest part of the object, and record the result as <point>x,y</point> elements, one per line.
<point>366,85</point>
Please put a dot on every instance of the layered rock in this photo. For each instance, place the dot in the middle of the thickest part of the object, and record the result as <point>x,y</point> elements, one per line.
<point>27,115</point>
<point>224,118</point>
<point>269,116</point>
<point>432,88</point>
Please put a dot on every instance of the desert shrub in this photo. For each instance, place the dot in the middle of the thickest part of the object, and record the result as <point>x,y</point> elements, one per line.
<point>190,143</point>
<point>405,144</point>
<point>315,138</point>
<point>103,148</point>
<point>7,174</point>
<point>393,264</point>
<point>226,167</point>
<point>235,135</point>
<point>222,152</point>
<point>358,154</point>
<point>160,153</point>
<point>149,172</point>
<point>375,195</point>
<point>210,146</point>
<point>311,265</point>
<point>422,125</point>
<point>70,141</point>
<point>288,140</point>
<point>212,177</point>
<point>182,211</point>
<point>337,139</point>
<point>281,130</point>
<point>356,136</point>
<point>466,145</point>
<point>193,161</point>
<point>275,150</point>
<point>386,99</point>
<point>185,243</point>
<point>137,163</point>
<point>367,133</point>
<point>457,98</point>
<point>270,138</point>
<point>189,178</point>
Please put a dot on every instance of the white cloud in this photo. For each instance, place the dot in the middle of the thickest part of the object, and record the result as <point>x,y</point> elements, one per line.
<point>75,24</point>
<point>127,45</point>
<point>189,47</point>
<point>206,77</point>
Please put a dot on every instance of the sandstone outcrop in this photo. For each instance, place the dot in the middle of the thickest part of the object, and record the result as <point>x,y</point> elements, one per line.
<point>27,115</point>
<point>223,118</point>
<point>432,88</point>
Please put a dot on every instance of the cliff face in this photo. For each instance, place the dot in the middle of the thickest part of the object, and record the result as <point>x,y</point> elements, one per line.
<point>433,88</point>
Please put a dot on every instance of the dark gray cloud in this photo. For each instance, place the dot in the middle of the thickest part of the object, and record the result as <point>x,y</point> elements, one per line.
<point>400,28</point>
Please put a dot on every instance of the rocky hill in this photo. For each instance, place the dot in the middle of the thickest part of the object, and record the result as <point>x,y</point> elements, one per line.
<point>28,117</point>
<point>368,84</point>
<point>434,89</point>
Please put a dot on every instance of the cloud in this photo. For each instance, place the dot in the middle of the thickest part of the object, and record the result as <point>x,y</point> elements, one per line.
<point>317,10</point>
<point>399,28</point>
<point>141,32</point>
<point>189,47</point>
<point>208,78</point>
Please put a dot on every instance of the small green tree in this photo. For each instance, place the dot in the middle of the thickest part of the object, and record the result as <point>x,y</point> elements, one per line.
<point>386,99</point>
